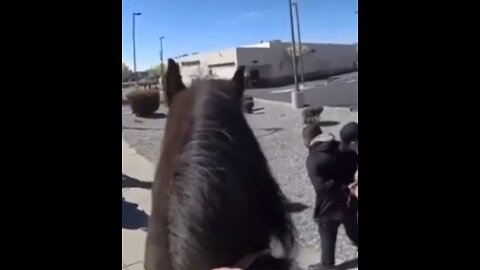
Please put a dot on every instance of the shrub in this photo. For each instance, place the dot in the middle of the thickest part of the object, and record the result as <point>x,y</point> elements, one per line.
<point>144,103</point>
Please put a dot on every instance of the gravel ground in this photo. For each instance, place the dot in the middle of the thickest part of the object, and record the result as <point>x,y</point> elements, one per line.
<point>278,129</point>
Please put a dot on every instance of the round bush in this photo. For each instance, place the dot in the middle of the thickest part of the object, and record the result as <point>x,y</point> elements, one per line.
<point>144,103</point>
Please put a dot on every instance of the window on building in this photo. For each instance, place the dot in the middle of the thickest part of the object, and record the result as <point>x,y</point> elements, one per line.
<point>228,64</point>
<point>190,63</point>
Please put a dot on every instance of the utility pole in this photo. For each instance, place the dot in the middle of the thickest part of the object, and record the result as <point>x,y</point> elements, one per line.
<point>134,51</point>
<point>296,95</point>
<point>161,55</point>
<point>302,73</point>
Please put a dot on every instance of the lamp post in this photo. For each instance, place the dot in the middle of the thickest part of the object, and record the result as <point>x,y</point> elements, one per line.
<point>161,55</point>
<point>302,71</point>
<point>296,95</point>
<point>134,52</point>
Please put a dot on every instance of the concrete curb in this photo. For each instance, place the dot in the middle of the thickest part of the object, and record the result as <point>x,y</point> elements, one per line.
<point>339,108</point>
<point>135,165</point>
<point>290,105</point>
<point>273,102</point>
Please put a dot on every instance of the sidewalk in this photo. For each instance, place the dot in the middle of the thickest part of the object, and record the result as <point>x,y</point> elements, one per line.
<point>133,241</point>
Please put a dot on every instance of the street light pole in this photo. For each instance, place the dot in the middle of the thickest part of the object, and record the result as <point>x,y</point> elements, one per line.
<point>356,56</point>
<point>296,95</point>
<point>134,52</point>
<point>161,55</point>
<point>302,74</point>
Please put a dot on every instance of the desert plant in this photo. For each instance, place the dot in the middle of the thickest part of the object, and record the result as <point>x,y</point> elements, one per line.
<point>144,103</point>
<point>156,71</point>
<point>311,115</point>
<point>126,73</point>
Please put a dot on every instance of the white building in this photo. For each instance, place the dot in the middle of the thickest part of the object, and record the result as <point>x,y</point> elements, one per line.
<point>269,63</point>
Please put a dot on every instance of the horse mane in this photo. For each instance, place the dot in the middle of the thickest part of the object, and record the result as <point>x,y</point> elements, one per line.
<point>214,198</point>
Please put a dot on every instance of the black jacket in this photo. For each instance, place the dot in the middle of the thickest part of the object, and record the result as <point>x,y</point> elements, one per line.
<point>331,170</point>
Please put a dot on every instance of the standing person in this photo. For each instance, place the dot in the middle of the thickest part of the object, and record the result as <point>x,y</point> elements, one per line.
<point>349,137</point>
<point>354,186</point>
<point>349,146</point>
<point>330,176</point>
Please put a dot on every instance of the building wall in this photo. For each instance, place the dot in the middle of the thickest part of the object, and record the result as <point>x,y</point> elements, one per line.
<point>220,64</point>
<point>271,60</point>
<point>260,59</point>
<point>329,58</point>
<point>276,66</point>
<point>320,59</point>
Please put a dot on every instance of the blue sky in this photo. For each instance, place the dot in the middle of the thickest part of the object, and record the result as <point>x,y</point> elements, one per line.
<point>207,25</point>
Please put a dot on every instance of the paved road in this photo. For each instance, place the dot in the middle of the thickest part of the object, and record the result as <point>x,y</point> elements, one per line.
<point>337,91</point>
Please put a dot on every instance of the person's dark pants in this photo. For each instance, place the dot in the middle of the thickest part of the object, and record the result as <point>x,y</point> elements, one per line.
<point>328,235</point>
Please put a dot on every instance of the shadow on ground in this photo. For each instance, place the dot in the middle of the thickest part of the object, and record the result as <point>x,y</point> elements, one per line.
<point>351,264</point>
<point>155,116</point>
<point>260,110</point>
<point>269,131</point>
<point>295,207</point>
<point>132,217</point>
<point>334,78</point>
<point>140,128</point>
<point>328,123</point>
<point>130,182</point>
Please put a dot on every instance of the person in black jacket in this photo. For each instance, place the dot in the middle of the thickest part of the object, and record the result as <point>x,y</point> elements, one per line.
<point>331,171</point>
<point>349,136</point>
<point>349,146</point>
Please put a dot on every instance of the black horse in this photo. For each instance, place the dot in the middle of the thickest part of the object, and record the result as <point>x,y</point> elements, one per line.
<point>214,200</point>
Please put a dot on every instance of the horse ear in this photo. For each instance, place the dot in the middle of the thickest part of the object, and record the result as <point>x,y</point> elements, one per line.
<point>239,80</point>
<point>173,81</point>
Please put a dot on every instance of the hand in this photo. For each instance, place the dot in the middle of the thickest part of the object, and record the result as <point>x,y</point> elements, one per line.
<point>354,188</point>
